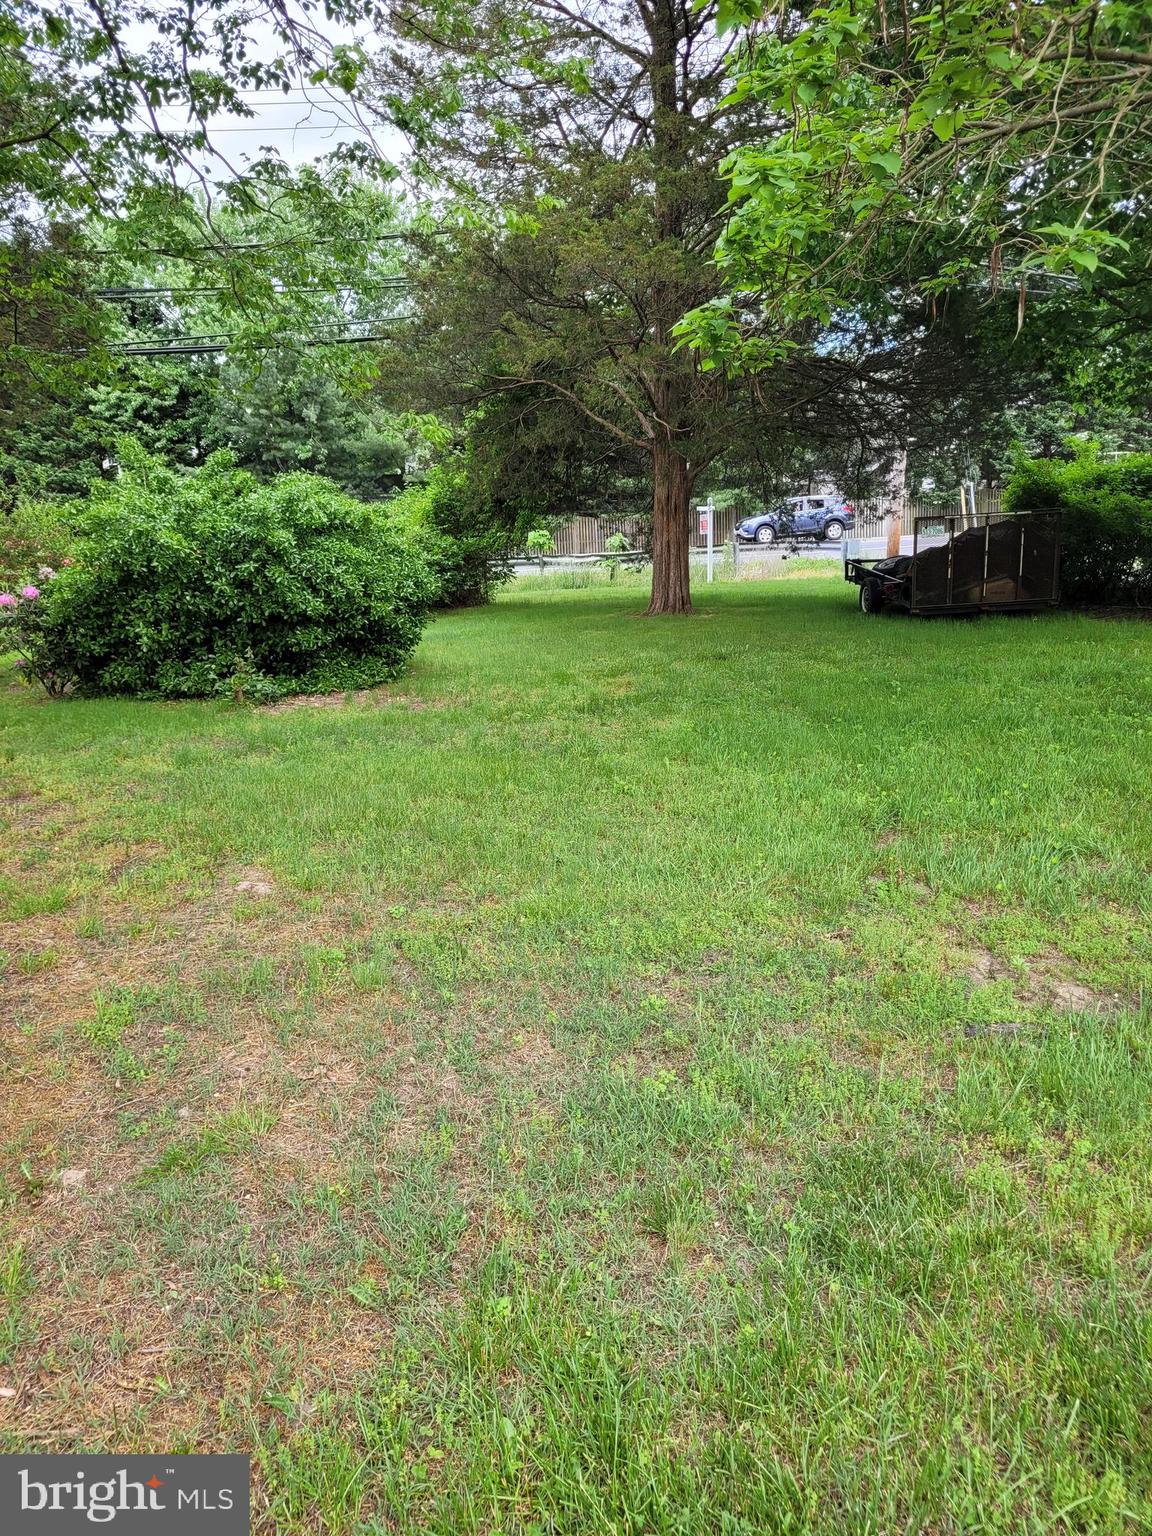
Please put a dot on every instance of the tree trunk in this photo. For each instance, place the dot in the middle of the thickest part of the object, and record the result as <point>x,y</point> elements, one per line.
<point>671,491</point>
<point>670,383</point>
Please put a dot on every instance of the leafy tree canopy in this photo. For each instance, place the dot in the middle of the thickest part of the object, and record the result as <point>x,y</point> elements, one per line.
<point>578,148</point>
<point>291,415</point>
<point>938,144</point>
<point>93,174</point>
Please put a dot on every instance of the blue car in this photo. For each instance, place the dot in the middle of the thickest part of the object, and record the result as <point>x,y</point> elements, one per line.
<point>800,517</point>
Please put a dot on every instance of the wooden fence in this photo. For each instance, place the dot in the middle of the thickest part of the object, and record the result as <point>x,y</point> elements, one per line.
<point>872,513</point>
<point>588,535</point>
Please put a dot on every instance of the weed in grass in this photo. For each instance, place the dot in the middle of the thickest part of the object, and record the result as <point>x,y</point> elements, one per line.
<point>228,1136</point>
<point>18,902</point>
<point>375,972</point>
<point>673,1209</point>
<point>323,965</point>
<point>259,980</point>
<point>15,1284</point>
<point>315,1478</point>
<point>113,1015</point>
<point>35,961</point>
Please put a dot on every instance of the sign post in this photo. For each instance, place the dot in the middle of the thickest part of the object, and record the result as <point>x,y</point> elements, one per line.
<point>707,528</point>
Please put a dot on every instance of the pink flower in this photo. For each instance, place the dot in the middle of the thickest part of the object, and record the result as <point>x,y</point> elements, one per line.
<point>31,593</point>
<point>7,600</point>
<point>19,662</point>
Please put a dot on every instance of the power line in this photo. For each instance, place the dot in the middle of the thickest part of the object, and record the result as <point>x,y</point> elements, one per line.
<point>278,344</point>
<point>279,92</point>
<point>228,248</point>
<point>347,322</point>
<point>275,91</point>
<point>176,131</point>
<point>111,294</point>
<point>280,128</point>
<point>331,105</point>
<point>145,341</point>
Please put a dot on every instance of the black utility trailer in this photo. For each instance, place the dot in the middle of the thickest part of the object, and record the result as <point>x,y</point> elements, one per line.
<point>1001,563</point>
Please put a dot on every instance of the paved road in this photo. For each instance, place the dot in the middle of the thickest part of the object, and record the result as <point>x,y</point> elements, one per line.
<point>860,549</point>
<point>751,555</point>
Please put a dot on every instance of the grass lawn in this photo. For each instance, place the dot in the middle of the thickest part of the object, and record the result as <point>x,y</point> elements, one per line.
<point>685,1076</point>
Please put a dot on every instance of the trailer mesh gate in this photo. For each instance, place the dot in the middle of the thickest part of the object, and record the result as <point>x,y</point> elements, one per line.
<point>1005,561</point>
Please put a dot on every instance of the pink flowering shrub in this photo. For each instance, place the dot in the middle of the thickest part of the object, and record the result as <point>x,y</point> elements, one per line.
<point>23,629</point>
<point>33,534</point>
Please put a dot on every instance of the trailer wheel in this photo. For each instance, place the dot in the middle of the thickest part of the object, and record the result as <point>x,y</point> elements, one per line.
<point>871,598</point>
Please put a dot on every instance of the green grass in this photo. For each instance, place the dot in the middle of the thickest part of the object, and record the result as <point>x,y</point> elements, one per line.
<point>661,1077</point>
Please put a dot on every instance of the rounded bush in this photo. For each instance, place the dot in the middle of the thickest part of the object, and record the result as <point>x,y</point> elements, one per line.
<point>213,582</point>
<point>1107,521</point>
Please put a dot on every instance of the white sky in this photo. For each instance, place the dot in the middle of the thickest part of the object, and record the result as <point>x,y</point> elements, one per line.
<point>301,125</point>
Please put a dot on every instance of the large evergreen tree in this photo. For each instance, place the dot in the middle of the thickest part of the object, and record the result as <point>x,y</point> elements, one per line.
<point>581,146</point>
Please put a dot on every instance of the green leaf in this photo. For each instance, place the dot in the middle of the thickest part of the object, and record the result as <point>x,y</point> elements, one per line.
<point>931,105</point>
<point>888,160</point>
<point>945,126</point>
<point>1086,259</point>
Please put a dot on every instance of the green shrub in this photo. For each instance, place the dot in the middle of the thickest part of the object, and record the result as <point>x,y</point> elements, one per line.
<point>33,534</point>
<point>466,546</point>
<point>1107,521</point>
<point>538,543</point>
<point>215,583</point>
<point>615,545</point>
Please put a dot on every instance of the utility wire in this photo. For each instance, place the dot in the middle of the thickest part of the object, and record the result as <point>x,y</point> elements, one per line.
<point>176,130</point>
<point>135,350</point>
<point>226,335</point>
<point>179,349</point>
<point>228,248</point>
<point>275,97</point>
<point>110,294</point>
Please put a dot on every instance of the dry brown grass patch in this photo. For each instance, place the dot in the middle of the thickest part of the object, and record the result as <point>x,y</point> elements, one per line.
<point>379,698</point>
<point>1045,981</point>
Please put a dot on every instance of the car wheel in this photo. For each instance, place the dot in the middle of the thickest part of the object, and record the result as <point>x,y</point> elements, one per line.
<point>834,531</point>
<point>871,598</point>
<point>766,534</point>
